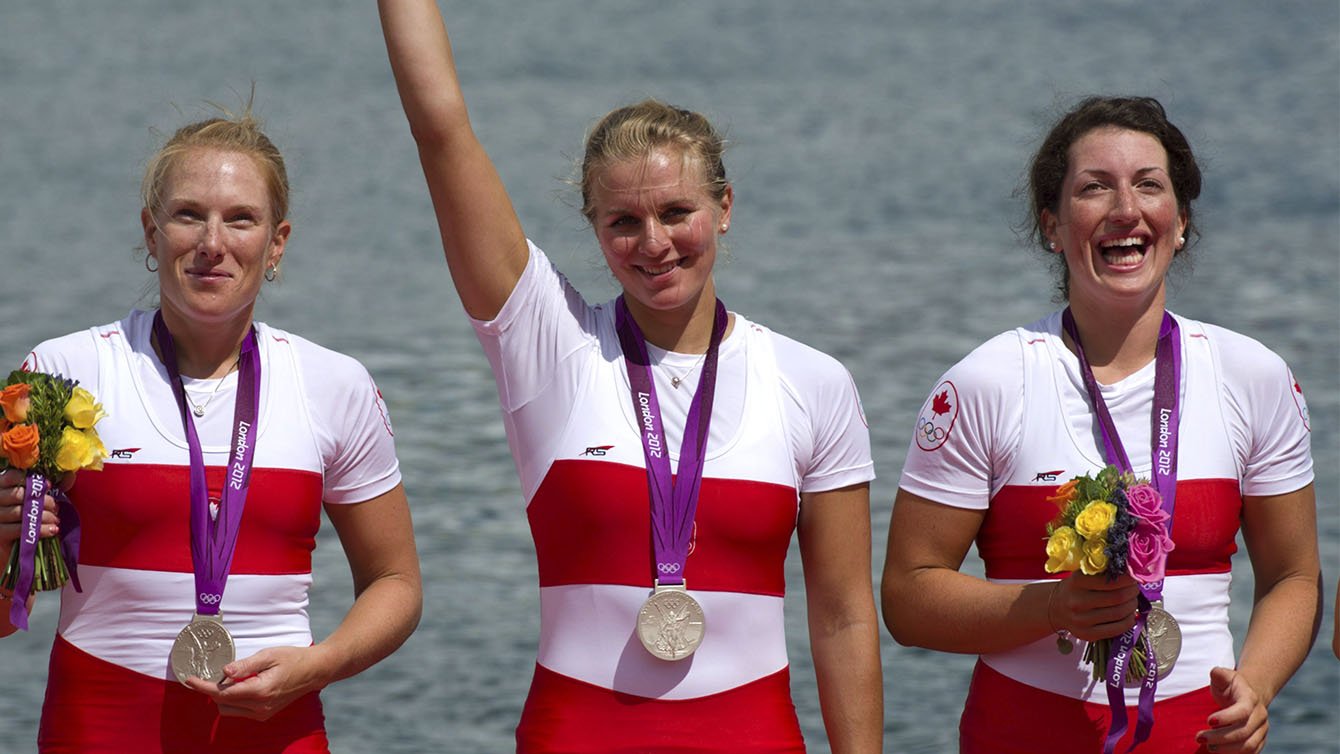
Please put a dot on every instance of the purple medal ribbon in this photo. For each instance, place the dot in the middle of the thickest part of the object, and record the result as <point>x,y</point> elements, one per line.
<point>1163,449</point>
<point>35,488</point>
<point>673,501</point>
<point>213,538</point>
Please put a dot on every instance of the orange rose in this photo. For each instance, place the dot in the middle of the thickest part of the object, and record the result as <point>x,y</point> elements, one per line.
<point>19,445</point>
<point>1062,495</point>
<point>15,402</point>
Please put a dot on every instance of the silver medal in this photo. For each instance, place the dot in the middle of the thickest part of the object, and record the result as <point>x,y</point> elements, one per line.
<point>1165,635</point>
<point>202,649</point>
<point>670,623</point>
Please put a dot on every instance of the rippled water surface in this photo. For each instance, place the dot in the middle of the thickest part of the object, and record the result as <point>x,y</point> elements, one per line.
<point>875,147</point>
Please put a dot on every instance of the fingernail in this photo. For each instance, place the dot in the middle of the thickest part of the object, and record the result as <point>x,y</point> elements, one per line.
<point>1214,722</point>
<point>1200,738</point>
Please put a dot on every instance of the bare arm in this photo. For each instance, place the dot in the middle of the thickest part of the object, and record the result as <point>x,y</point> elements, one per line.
<point>928,603</point>
<point>1335,632</point>
<point>378,539</point>
<point>481,236</point>
<point>1281,536</point>
<point>844,631</point>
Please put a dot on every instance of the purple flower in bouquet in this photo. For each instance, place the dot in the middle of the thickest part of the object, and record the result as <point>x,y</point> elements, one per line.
<point>1118,535</point>
<point>1146,503</point>
<point>1148,546</point>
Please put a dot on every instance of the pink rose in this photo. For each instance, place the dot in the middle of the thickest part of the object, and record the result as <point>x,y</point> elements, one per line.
<point>1147,549</point>
<point>1146,504</point>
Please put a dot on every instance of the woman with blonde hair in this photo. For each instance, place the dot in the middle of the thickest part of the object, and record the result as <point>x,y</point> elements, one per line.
<point>667,448</point>
<point>228,438</point>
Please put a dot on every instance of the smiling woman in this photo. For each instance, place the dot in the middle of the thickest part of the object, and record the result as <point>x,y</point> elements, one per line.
<point>1213,418</point>
<point>677,644</point>
<point>166,521</point>
<point>658,229</point>
<point>213,243</point>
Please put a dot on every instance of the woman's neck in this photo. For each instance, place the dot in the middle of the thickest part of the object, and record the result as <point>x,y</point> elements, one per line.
<point>684,330</point>
<point>205,350</point>
<point>1117,343</point>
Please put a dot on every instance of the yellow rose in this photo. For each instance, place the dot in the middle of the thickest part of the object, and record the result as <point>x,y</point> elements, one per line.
<point>74,446</point>
<point>1096,518</point>
<point>1094,561</point>
<point>99,451</point>
<point>1063,553</point>
<point>83,411</point>
<point>79,449</point>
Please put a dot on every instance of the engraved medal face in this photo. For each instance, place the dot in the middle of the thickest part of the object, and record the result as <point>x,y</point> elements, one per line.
<point>202,649</point>
<point>1166,636</point>
<point>670,624</point>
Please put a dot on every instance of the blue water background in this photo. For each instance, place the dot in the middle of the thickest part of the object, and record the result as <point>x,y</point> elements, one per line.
<point>875,149</point>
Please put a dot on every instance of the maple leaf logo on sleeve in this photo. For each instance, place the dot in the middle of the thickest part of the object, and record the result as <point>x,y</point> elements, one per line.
<point>937,417</point>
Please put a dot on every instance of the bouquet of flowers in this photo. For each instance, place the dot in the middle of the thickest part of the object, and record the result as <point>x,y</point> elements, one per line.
<point>1110,523</point>
<point>47,429</point>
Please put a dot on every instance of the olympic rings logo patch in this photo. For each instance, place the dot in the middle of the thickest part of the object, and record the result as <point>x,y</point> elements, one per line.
<point>210,599</point>
<point>668,567</point>
<point>928,432</point>
<point>937,417</point>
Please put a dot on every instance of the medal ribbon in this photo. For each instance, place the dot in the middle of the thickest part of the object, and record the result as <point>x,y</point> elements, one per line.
<point>674,501</point>
<point>1163,451</point>
<point>214,538</point>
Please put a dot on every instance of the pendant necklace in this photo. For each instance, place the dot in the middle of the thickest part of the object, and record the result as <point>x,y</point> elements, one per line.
<point>199,408</point>
<point>676,381</point>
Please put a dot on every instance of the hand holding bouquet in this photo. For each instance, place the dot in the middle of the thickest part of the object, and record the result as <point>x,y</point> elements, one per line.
<point>47,431</point>
<point>1110,523</point>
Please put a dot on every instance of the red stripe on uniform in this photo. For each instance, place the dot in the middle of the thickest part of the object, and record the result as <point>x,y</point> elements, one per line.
<point>1205,522</point>
<point>1004,716</point>
<point>138,516</point>
<point>95,707</point>
<point>591,522</point>
<point>564,714</point>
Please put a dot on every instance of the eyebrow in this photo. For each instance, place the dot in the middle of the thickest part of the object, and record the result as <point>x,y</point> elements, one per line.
<point>188,202</point>
<point>1139,172</point>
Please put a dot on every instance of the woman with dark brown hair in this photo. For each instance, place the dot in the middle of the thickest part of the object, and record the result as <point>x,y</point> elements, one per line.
<point>1213,417</point>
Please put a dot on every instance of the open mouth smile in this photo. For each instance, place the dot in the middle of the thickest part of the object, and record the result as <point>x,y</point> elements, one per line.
<point>1124,251</point>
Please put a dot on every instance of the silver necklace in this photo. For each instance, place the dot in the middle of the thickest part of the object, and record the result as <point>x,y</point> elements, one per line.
<point>199,408</point>
<point>675,381</point>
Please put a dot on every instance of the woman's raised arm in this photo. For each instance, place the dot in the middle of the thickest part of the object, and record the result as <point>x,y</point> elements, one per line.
<point>481,236</point>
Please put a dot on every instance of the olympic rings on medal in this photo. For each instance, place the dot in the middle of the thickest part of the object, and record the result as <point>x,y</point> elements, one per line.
<point>929,431</point>
<point>668,567</point>
<point>210,599</point>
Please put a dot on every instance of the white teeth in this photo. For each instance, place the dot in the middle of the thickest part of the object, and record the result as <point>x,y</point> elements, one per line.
<point>1122,259</point>
<point>1124,242</point>
<point>659,270</point>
